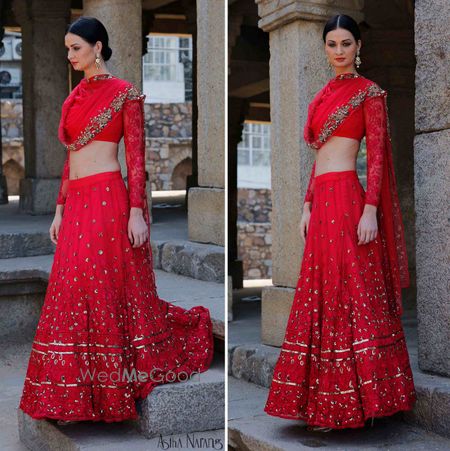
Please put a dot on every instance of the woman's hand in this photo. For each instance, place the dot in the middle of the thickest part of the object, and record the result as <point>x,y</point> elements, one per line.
<point>367,226</point>
<point>304,221</point>
<point>137,228</point>
<point>54,228</point>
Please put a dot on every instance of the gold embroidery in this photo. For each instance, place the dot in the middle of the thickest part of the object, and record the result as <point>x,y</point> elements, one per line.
<point>335,119</point>
<point>78,344</point>
<point>101,120</point>
<point>381,346</point>
<point>294,352</point>
<point>76,352</point>
<point>400,373</point>
<point>376,338</point>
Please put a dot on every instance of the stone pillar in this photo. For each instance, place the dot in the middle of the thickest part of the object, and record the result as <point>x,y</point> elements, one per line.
<point>206,217</point>
<point>298,69</point>
<point>123,22</point>
<point>432,188</point>
<point>45,86</point>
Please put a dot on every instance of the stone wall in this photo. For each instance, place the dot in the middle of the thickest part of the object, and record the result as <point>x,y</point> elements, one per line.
<point>254,246</point>
<point>169,144</point>
<point>254,205</point>
<point>254,232</point>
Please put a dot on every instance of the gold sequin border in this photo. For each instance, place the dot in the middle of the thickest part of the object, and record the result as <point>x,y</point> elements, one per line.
<point>336,118</point>
<point>98,122</point>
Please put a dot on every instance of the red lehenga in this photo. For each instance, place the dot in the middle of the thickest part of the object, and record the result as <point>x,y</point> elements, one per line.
<point>104,337</point>
<point>344,357</point>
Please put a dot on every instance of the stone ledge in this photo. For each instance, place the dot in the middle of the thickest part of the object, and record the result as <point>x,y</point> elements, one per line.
<point>24,276</point>
<point>195,260</point>
<point>196,406</point>
<point>255,364</point>
<point>187,258</point>
<point>250,428</point>
<point>25,244</point>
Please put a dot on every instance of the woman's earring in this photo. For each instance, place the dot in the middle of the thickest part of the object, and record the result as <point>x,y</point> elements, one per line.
<point>357,60</point>
<point>97,61</point>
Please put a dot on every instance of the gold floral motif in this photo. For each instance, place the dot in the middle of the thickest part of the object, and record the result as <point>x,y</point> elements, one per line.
<point>341,113</point>
<point>103,118</point>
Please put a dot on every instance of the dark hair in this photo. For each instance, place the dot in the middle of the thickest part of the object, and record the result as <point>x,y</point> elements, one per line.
<point>91,30</point>
<point>342,21</point>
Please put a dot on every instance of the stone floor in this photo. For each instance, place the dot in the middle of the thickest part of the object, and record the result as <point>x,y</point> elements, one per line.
<point>169,218</point>
<point>185,291</point>
<point>249,428</point>
<point>169,223</point>
<point>250,371</point>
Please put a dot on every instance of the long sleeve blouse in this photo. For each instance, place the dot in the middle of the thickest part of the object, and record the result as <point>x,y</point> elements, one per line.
<point>118,111</point>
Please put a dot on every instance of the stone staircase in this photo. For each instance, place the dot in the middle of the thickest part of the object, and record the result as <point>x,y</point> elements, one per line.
<point>177,413</point>
<point>184,412</point>
<point>250,371</point>
<point>26,236</point>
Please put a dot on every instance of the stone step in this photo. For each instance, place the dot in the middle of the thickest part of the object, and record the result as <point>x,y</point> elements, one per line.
<point>173,414</point>
<point>23,282</point>
<point>196,260</point>
<point>250,428</point>
<point>24,235</point>
<point>255,363</point>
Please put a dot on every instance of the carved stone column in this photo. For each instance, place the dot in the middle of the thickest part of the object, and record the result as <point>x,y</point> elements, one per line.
<point>45,86</point>
<point>432,188</point>
<point>123,22</point>
<point>298,69</point>
<point>206,217</point>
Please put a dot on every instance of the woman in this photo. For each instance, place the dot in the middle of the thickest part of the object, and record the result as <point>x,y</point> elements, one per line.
<point>344,357</point>
<point>105,338</point>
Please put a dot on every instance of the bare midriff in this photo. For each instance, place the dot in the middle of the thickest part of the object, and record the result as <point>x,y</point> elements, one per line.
<point>95,157</point>
<point>337,154</point>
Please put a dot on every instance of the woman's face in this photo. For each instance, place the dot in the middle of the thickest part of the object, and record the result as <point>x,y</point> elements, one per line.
<point>80,53</point>
<point>341,48</point>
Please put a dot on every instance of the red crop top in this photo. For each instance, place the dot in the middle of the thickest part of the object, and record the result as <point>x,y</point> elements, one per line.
<point>369,119</point>
<point>105,108</point>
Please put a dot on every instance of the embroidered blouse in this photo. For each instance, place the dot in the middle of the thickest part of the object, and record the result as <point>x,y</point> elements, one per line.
<point>370,120</point>
<point>352,106</point>
<point>105,108</point>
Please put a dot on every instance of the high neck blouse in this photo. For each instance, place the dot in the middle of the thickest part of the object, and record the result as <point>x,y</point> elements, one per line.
<point>353,127</point>
<point>105,108</point>
<point>88,88</point>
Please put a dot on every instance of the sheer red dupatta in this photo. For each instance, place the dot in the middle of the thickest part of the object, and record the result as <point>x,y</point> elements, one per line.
<point>331,107</point>
<point>94,104</point>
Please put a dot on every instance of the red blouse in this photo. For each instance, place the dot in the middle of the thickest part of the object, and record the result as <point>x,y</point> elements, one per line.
<point>351,105</point>
<point>369,121</point>
<point>105,108</point>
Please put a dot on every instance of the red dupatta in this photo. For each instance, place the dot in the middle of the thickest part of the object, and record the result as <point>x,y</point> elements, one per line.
<point>330,108</point>
<point>105,106</point>
<point>93,104</point>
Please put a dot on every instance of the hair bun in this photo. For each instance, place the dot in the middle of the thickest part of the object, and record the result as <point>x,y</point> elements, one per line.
<point>107,53</point>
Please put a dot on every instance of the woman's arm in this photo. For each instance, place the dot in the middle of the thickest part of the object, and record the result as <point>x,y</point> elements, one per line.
<point>375,117</point>
<point>310,190</point>
<point>62,193</point>
<point>134,138</point>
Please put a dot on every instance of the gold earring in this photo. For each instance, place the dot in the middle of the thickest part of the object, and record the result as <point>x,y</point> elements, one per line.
<point>97,61</point>
<point>357,60</point>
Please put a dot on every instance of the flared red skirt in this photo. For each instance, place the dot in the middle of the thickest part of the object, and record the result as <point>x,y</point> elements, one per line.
<point>344,357</point>
<point>104,337</point>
